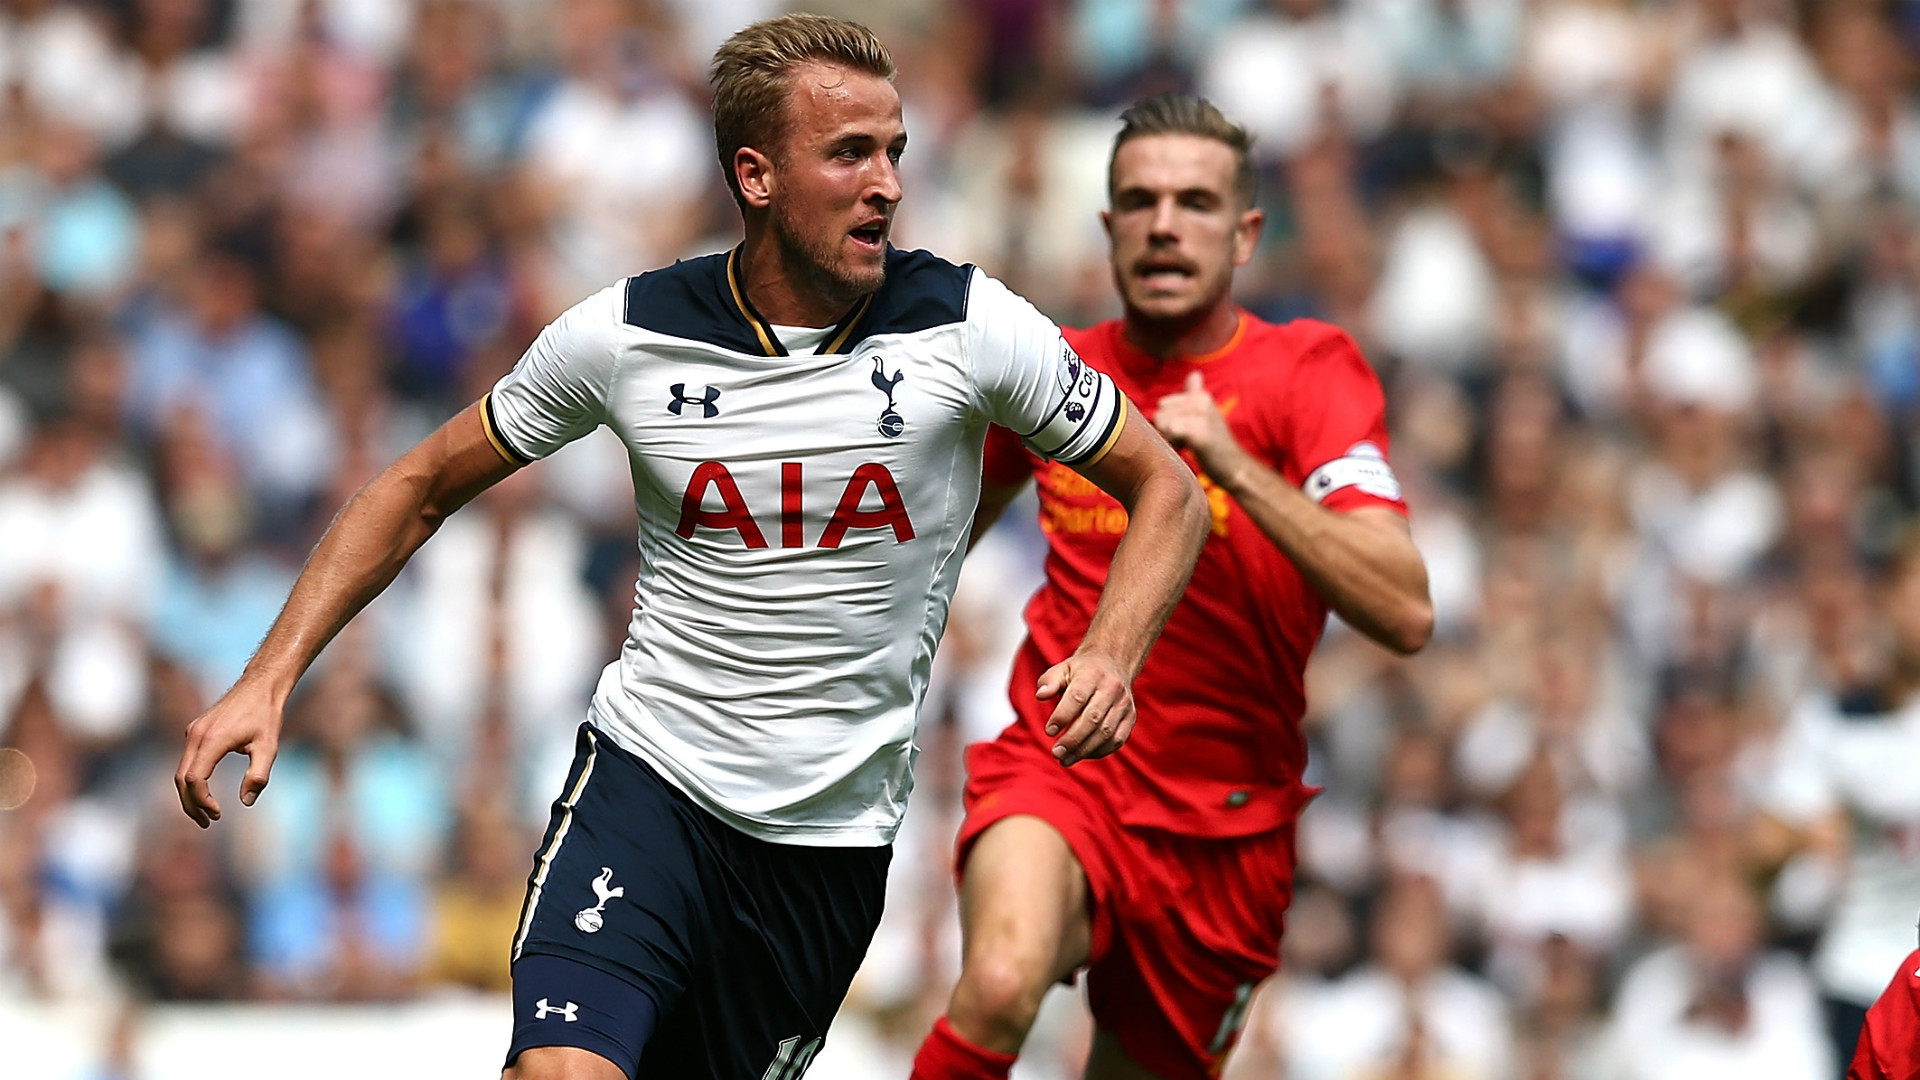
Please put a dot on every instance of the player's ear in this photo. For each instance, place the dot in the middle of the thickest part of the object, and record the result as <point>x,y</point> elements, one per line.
<point>1106,222</point>
<point>1246,235</point>
<point>753,170</point>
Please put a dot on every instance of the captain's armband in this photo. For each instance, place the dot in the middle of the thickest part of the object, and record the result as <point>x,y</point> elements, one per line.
<point>1086,413</point>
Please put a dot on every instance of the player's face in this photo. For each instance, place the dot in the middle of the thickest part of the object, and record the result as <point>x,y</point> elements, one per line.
<point>1177,229</point>
<point>836,181</point>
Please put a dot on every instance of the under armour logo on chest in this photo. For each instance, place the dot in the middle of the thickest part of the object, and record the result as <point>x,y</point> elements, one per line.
<point>542,1010</point>
<point>708,408</point>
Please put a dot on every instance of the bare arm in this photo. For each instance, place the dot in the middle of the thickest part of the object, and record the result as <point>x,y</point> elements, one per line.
<point>1363,562</point>
<point>994,500</point>
<point>1166,524</point>
<point>362,551</point>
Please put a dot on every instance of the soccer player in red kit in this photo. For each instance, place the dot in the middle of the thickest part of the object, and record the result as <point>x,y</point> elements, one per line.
<point>1166,870</point>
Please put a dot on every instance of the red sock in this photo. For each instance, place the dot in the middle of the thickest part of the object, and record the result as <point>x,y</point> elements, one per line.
<point>947,1056</point>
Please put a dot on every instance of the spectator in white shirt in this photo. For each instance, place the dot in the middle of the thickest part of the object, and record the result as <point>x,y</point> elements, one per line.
<point>616,155</point>
<point>80,544</point>
<point>1410,1012</point>
<point>1716,1004</point>
<point>1845,786</point>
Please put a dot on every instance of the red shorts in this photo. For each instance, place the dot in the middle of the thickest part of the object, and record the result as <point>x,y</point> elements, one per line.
<point>1183,927</point>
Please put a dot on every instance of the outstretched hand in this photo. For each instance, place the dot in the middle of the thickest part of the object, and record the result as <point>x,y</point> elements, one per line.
<point>247,721</point>
<point>1095,714</point>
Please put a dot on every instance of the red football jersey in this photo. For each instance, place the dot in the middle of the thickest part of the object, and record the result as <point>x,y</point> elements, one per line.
<point>1889,1047</point>
<point>1217,750</point>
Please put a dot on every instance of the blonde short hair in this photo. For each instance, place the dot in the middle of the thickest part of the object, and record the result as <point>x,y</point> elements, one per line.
<point>750,76</point>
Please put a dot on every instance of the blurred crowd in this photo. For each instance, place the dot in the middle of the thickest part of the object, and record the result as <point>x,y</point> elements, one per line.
<point>1641,277</point>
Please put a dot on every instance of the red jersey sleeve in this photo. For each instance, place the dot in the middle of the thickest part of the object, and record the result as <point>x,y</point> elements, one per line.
<point>1005,461</point>
<point>1331,426</point>
<point>1889,1047</point>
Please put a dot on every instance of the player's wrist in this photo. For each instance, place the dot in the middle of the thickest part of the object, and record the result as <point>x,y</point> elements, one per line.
<point>1228,466</point>
<point>1102,656</point>
<point>267,684</point>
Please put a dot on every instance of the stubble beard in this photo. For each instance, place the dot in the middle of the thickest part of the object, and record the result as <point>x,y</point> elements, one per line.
<point>821,267</point>
<point>1157,315</point>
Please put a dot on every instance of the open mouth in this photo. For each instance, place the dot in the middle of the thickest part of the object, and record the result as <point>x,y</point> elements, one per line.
<point>872,235</point>
<point>1162,272</point>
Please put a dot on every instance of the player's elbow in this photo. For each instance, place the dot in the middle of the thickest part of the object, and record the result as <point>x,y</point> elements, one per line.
<point>409,489</point>
<point>1190,514</point>
<point>1410,627</point>
<point>1164,499</point>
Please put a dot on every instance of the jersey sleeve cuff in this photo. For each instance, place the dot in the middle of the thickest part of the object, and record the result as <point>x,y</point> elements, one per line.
<point>492,427</point>
<point>1112,437</point>
<point>1083,422</point>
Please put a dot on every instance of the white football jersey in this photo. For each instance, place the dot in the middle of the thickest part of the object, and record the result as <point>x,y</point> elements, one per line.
<point>804,499</point>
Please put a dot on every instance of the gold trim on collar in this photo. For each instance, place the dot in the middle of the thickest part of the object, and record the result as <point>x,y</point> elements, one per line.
<point>768,340</point>
<point>846,330</point>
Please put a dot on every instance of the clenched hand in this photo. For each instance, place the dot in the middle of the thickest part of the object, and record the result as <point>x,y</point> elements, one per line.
<point>1190,420</point>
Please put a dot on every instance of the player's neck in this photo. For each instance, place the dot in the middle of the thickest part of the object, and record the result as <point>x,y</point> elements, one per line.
<point>1173,339</point>
<point>782,293</point>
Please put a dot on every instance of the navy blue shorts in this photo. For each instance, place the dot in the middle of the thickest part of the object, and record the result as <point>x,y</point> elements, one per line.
<point>674,945</point>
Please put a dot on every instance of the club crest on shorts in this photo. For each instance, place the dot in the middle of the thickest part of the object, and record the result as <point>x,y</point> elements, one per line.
<point>590,920</point>
<point>891,422</point>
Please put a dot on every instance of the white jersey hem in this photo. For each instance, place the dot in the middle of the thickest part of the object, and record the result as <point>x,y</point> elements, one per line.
<point>773,832</point>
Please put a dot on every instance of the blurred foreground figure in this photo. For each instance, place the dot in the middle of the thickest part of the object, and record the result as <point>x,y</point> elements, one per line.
<point>804,418</point>
<point>1890,1044</point>
<point>1166,871</point>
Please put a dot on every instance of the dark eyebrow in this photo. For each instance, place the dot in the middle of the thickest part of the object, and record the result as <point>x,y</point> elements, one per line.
<point>853,138</point>
<point>1135,191</point>
<point>863,139</point>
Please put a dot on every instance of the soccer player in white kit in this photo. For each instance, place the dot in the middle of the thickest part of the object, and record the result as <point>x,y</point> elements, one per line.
<point>804,418</point>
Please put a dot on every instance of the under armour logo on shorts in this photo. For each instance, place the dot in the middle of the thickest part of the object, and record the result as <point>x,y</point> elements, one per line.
<point>542,1010</point>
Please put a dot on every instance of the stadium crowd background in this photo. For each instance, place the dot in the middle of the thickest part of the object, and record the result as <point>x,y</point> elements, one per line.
<point>1642,280</point>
